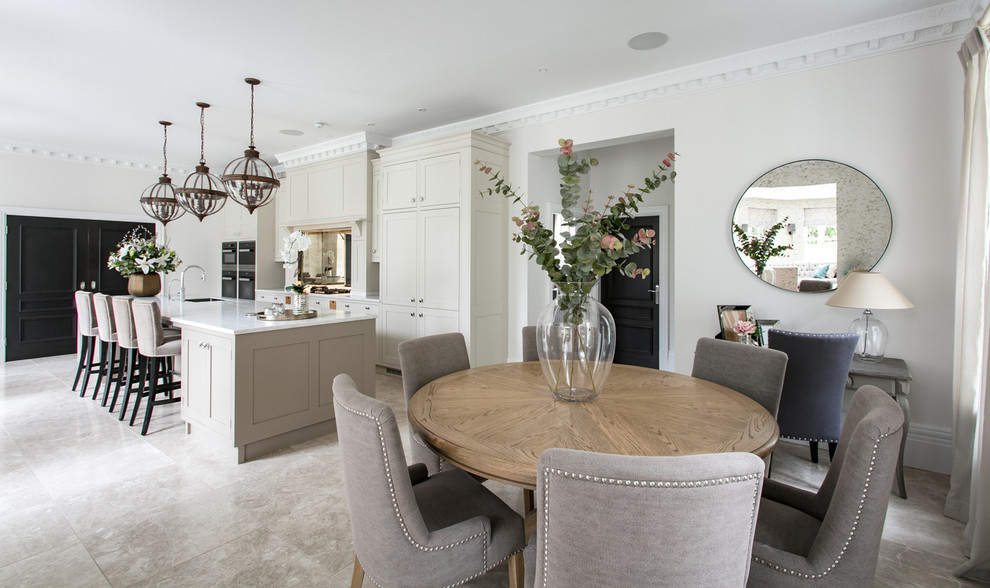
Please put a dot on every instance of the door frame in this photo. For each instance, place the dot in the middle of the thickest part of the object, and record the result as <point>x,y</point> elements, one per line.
<point>50,213</point>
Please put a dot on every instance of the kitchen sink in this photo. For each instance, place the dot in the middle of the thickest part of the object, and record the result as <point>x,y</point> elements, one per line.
<point>203,300</point>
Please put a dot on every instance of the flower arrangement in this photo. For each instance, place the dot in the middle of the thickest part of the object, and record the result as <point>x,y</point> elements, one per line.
<point>744,328</point>
<point>760,250</point>
<point>292,248</point>
<point>593,243</point>
<point>138,253</point>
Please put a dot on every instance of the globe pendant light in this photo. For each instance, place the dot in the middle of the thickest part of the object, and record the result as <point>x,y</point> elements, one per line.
<point>158,200</point>
<point>249,180</point>
<point>202,193</point>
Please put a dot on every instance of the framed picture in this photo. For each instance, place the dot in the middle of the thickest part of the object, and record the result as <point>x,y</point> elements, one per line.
<point>728,314</point>
<point>765,325</point>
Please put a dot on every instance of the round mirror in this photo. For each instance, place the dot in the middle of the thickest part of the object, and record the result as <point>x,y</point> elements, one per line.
<point>806,224</point>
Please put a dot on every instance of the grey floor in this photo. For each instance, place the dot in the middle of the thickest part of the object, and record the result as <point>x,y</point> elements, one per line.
<point>86,501</point>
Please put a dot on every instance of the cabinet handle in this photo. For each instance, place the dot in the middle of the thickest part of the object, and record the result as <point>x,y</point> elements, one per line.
<point>93,284</point>
<point>412,300</point>
<point>412,314</point>
<point>82,285</point>
<point>413,200</point>
<point>420,315</point>
<point>420,198</point>
<point>367,308</point>
<point>420,300</point>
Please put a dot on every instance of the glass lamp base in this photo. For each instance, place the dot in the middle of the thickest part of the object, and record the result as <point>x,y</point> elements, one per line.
<point>872,337</point>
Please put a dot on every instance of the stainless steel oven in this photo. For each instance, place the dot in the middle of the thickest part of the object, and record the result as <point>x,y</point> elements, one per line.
<point>228,283</point>
<point>245,285</point>
<point>237,269</point>
<point>228,251</point>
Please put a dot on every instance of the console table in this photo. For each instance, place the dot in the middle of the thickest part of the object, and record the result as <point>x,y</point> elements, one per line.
<point>891,375</point>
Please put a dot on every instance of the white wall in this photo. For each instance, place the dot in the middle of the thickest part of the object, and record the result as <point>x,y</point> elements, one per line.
<point>896,117</point>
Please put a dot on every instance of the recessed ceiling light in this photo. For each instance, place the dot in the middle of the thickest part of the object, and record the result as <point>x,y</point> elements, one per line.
<point>543,70</point>
<point>421,109</point>
<point>371,124</point>
<point>647,41</point>
<point>291,132</point>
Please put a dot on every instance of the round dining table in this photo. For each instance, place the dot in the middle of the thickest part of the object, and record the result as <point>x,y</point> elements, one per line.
<point>496,420</point>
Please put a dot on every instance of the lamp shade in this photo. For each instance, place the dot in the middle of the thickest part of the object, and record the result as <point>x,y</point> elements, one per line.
<point>873,290</point>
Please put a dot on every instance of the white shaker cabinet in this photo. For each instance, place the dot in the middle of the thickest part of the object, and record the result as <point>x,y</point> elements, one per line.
<point>375,230</point>
<point>207,366</point>
<point>328,191</point>
<point>443,246</point>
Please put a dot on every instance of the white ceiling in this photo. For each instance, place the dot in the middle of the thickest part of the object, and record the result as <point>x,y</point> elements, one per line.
<point>95,77</point>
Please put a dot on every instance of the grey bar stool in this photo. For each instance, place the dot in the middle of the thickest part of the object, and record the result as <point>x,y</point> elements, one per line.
<point>86,324</point>
<point>107,330</point>
<point>134,364</point>
<point>161,356</point>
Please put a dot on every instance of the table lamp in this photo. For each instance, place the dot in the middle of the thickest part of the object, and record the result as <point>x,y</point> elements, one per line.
<point>866,290</point>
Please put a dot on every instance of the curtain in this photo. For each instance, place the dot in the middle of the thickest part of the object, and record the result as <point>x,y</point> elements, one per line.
<point>969,490</point>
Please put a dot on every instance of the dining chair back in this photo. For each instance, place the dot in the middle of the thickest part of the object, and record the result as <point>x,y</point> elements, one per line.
<point>756,372</point>
<point>88,333</point>
<point>617,520</point>
<point>814,385</point>
<point>107,330</point>
<point>161,356</point>
<point>529,352</point>
<point>441,530</point>
<point>423,360</point>
<point>832,537</point>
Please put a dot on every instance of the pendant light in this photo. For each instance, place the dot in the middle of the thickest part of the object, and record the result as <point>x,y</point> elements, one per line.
<point>202,193</point>
<point>249,180</point>
<point>158,200</point>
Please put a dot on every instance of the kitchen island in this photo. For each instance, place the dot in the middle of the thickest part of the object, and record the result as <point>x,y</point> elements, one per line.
<point>257,386</point>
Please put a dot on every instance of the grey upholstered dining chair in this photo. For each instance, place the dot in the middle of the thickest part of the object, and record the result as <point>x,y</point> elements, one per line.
<point>89,334</point>
<point>423,360</point>
<point>754,371</point>
<point>161,355</point>
<point>134,364</point>
<point>832,537</point>
<point>410,529</point>
<point>107,330</point>
<point>815,382</point>
<point>617,520</point>
<point>529,352</point>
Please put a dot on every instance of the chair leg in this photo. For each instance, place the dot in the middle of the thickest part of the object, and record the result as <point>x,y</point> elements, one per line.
<point>104,356</point>
<point>142,362</point>
<point>82,362</point>
<point>113,366</point>
<point>814,451</point>
<point>124,377</point>
<point>150,377</point>
<point>357,578</point>
<point>517,570</point>
<point>831,449</point>
<point>89,363</point>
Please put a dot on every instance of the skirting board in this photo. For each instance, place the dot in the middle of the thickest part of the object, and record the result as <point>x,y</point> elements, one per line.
<point>929,448</point>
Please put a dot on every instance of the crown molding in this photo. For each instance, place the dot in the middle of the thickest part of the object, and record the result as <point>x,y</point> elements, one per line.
<point>952,20</point>
<point>35,150</point>
<point>362,141</point>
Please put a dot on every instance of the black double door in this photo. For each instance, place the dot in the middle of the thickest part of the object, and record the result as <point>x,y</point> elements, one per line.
<point>48,259</point>
<point>634,304</point>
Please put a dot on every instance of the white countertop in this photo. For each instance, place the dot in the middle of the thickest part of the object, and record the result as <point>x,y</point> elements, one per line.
<point>238,317</point>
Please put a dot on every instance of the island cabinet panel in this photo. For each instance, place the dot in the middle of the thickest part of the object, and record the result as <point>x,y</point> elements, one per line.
<point>207,381</point>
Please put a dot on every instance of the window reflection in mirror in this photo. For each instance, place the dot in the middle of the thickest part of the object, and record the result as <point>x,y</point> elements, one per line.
<point>837,220</point>
<point>327,261</point>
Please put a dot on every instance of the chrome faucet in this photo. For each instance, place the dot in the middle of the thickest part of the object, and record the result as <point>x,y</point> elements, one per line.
<point>182,279</point>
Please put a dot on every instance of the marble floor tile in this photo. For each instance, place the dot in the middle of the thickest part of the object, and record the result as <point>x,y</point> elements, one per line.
<point>68,565</point>
<point>85,500</point>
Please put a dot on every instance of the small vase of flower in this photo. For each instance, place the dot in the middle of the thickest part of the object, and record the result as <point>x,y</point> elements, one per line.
<point>745,331</point>
<point>292,248</point>
<point>140,259</point>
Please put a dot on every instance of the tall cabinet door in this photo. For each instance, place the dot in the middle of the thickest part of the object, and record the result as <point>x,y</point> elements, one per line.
<point>439,257</point>
<point>399,252</point>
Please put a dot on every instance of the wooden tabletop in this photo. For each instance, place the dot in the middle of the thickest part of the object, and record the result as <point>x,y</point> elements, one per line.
<point>496,420</point>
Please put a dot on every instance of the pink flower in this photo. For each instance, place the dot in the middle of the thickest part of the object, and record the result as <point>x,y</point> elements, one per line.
<point>744,328</point>
<point>611,242</point>
<point>666,163</point>
<point>670,156</point>
<point>566,146</point>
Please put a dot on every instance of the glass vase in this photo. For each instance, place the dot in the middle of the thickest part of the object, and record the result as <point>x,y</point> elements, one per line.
<point>300,303</point>
<point>575,339</point>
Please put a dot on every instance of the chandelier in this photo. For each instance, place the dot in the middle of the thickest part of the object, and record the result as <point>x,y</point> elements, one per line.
<point>249,180</point>
<point>158,200</point>
<point>203,193</point>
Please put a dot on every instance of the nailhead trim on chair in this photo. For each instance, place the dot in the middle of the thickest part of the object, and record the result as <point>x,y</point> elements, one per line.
<point>402,523</point>
<point>641,483</point>
<point>419,441</point>
<point>808,439</point>
<point>852,531</point>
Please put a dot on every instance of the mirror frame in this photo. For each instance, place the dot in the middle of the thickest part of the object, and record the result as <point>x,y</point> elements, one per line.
<point>882,215</point>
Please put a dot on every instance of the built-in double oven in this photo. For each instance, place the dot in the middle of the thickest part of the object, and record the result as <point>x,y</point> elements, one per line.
<point>237,269</point>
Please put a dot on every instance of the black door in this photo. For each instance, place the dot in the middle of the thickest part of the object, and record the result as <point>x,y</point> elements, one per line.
<point>634,305</point>
<point>48,259</point>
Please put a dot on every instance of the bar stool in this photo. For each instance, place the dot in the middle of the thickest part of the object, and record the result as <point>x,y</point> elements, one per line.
<point>134,364</point>
<point>161,356</point>
<point>107,330</point>
<point>86,324</point>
